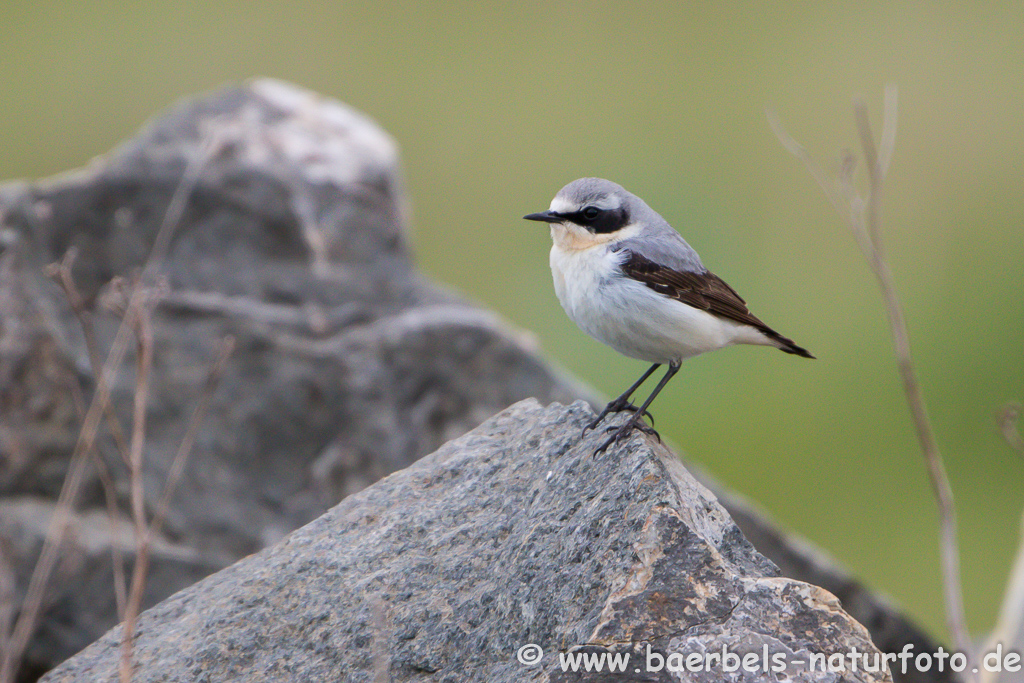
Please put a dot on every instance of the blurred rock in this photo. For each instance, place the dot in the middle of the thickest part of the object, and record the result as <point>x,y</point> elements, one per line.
<point>290,236</point>
<point>510,535</point>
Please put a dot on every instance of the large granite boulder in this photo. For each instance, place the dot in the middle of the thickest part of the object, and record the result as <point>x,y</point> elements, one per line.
<point>502,556</point>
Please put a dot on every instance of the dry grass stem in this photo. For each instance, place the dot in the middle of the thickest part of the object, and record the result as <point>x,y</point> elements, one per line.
<point>105,376</point>
<point>30,608</point>
<point>213,378</point>
<point>145,532</point>
<point>143,324</point>
<point>864,217</point>
<point>61,272</point>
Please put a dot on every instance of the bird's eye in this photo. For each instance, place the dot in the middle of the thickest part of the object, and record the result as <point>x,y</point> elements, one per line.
<point>591,212</point>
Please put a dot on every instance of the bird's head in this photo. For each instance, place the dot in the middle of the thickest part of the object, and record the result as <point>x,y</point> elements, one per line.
<point>589,211</point>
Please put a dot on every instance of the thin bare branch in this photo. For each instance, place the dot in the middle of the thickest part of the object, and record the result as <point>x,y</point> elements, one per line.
<point>54,538</point>
<point>140,317</point>
<point>117,558</point>
<point>106,478</point>
<point>198,415</point>
<point>62,273</point>
<point>798,150</point>
<point>873,202</point>
<point>864,218</point>
<point>179,200</point>
<point>887,146</point>
<point>57,527</point>
<point>855,213</point>
<point>952,585</point>
<point>867,140</point>
<point>105,377</point>
<point>143,533</point>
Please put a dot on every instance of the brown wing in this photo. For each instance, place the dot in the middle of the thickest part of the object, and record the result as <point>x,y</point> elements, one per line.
<point>705,291</point>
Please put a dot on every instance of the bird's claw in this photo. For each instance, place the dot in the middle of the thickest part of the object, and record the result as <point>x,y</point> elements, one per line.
<point>621,433</point>
<point>648,430</point>
<point>618,406</point>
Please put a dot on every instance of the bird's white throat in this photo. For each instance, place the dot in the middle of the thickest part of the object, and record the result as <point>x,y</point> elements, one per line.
<point>570,237</point>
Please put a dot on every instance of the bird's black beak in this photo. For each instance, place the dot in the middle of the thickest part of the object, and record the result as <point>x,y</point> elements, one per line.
<point>544,216</point>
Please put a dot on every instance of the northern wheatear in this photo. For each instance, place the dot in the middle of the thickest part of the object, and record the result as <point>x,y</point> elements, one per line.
<point>629,280</point>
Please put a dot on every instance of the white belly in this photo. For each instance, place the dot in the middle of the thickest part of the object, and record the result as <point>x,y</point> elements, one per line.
<point>632,318</point>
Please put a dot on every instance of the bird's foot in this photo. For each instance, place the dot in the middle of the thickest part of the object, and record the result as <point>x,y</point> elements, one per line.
<point>618,405</point>
<point>640,423</point>
<point>642,426</point>
<point>623,432</point>
<point>647,429</point>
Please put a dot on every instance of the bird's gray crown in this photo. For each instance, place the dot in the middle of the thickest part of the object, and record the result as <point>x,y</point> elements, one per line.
<point>584,191</point>
<point>602,206</point>
<point>598,205</point>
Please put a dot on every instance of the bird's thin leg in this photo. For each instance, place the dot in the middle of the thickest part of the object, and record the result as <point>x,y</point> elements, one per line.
<point>622,402</point>
<point>623,431</point>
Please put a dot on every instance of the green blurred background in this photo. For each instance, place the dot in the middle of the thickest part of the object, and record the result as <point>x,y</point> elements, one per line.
<point>497,106</point>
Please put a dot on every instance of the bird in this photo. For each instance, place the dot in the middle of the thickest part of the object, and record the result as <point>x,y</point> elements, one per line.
<point>629,280</point>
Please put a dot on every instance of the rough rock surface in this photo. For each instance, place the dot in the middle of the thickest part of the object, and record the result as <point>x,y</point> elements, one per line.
<point>513,534</point>
<point>348,365</point>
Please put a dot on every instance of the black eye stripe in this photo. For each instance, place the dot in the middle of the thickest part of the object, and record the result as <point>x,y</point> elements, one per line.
<point>599,220</point>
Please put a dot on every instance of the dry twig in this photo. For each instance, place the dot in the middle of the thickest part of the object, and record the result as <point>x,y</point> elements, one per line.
<point>61,272</point>
<point>105,376</point>
<point>864,217</point>
<point>213,378</point>
<point>143,324</point>
<point>145,532</point>
<point>33,601</point>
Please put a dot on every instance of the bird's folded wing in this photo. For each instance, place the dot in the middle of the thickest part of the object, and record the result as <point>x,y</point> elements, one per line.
<point>705,291</point>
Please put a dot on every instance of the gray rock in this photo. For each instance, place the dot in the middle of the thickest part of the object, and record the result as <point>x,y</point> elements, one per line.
<point>510,535</point>
<point>348,364</point>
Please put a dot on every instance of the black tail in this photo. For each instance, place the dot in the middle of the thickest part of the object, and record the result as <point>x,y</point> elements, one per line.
<point>796,350</point>
<point>786,344</point>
